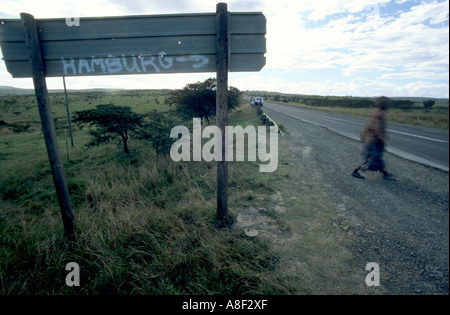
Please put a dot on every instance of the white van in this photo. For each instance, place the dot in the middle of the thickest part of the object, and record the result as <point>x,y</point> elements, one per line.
<point>259,101</point>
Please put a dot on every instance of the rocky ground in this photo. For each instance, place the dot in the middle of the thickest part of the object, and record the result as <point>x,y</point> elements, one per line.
<point>400,224</point>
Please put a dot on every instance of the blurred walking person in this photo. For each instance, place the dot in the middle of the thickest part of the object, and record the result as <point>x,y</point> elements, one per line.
<point>373,137</point>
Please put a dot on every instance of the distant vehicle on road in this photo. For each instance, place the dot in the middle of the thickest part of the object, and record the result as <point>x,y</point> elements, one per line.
<point>257,101</point>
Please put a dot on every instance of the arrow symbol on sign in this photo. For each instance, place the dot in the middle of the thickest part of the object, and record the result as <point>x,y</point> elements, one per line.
<point>200,60</point>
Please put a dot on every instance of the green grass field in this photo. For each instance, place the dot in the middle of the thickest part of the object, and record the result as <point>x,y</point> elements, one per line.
<point>145,224</point>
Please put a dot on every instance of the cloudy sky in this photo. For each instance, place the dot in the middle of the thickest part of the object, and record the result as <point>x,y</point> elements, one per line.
<point>321,47</point>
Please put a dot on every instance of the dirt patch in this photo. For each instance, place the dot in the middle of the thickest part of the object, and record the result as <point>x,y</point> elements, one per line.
<point>302,225</point>
<point>267,220</point>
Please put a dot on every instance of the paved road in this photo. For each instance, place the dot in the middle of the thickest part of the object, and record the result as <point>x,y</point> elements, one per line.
<point>423,145</point>
<point>401,224</point>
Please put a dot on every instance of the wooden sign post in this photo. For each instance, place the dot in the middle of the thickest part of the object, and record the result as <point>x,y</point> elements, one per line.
<point>68,112</point>
<point>222,50</point>
<point>174,43</point>
<point>48,127</point>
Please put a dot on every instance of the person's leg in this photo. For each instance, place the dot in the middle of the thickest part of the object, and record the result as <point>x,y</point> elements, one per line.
<point>380,149</point>
<point>365,156</point>
<point>357,174</point>
<point>387,175</point>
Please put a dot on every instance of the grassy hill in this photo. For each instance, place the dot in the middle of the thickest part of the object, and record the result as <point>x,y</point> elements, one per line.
<point>9,90</point>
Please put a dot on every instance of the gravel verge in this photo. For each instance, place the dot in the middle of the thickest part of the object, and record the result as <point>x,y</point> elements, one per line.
<point>401,224</point>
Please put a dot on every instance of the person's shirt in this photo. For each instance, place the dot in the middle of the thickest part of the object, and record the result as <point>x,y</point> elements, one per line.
<point>374,129</point>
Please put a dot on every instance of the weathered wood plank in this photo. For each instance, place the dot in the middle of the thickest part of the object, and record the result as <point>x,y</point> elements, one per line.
<point>196,45</point>
<point>222,49</point>
<point>247,23</point>
<point>110,45</point>
<point>180,45</point>
<point>48,127</point>
<point>11,30</point>
<point>134,26</point>
<point>134,65</point>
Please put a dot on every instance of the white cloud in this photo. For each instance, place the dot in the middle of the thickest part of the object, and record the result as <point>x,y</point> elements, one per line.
<point>435,12</point>
<point>356,39</point>
<point>356,44</point>
<point>356,87</point>
<point>263,81</point>
<point>421,88</point>
<point>415,75</point>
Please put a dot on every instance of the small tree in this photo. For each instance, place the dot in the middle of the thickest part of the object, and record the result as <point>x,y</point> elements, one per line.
<point>428,104</point>
<point>113,123</point>
<point>199,99</point>
<point>157,129</point>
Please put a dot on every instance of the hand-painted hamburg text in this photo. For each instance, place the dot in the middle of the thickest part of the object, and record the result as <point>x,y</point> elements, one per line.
<point>134,64</point>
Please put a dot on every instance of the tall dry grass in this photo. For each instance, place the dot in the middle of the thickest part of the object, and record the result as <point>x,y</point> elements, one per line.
<point>145,225</point>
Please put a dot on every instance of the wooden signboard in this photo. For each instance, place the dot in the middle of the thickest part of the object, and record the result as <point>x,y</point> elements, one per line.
<point>183,43</point>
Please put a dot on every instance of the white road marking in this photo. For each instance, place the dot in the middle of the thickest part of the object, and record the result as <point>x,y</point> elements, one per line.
<point>390,130</point>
